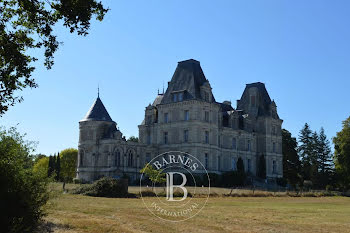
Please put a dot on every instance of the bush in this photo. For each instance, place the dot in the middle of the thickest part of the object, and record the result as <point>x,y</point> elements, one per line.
<point>23,192</point>
<point>104,187</point>
<point>77,181</point>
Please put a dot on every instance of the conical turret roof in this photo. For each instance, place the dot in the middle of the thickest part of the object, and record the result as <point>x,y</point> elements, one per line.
<point>97,112</point>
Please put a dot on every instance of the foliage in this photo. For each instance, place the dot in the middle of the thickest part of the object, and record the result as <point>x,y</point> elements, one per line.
<point>342,154</point>
<point>306,151</point>
<point>27,25</point>
<point>233,178</point>
<point>291,162</point>
<point>68,163</point>
<point>133,139</point>
<point>41,166</point>
<point>23,192</point>
<point>156,176</point>
<point>105,187</point>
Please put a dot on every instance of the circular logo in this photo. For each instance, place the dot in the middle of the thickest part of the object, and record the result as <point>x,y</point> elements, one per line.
<point>174,186</point>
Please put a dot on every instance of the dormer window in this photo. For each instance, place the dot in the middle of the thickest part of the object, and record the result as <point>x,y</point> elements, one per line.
<point>252,100</point>
<point>175,97</point>
<point>206,96</point>
<point>180,96</point>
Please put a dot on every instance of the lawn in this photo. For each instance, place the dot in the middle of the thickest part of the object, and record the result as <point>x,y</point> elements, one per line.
<point>77,213</point>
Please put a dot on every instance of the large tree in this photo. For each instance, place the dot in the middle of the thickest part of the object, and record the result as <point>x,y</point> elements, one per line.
<point>291,162</point>
<point>68,164</point>
<point>28,25</point>
<point>342,154</point>
<point>324,159</point>
<point>306,151</point>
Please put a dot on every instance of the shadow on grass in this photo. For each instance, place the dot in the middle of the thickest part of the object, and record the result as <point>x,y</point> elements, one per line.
<point>49,227</point>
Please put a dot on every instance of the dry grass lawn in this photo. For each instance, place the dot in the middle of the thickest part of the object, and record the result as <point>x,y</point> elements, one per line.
<point>76,213</point>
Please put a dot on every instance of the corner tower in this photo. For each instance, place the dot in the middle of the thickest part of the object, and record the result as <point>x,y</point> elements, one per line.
<point>95,126</point>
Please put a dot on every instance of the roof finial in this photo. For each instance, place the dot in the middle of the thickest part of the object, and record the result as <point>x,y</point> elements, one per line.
<point>98,90</point>
<point>163,87</point>
<point>158,91</point>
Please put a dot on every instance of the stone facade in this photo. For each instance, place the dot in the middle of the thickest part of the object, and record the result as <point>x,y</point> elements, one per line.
<point>186,118</point>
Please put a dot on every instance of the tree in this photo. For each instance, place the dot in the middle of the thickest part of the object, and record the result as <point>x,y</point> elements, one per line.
<point>51,167</point>
<point>133,139</point>
<point>324,159</point>
<point>41,166</point>
<point>262,167</point>
<point>23,192</point>
<point>68,164</point>
<point>28,25</point>
<point>306,150</point>
<point>291,162</point>
<point>342,155</point>
<point>58,167</point>
<point>156,176</point>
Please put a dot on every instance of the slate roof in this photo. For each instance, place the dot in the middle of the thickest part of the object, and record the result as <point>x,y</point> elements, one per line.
<point>188,78</point>
<point>263,98</point>
<point>157,100</point>
<point>97,112</point>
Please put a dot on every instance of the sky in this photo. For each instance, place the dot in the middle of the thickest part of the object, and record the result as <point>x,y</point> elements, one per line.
<point>299,49</point>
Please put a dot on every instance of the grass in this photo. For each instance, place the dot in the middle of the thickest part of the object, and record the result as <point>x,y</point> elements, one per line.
<point>76,213</point>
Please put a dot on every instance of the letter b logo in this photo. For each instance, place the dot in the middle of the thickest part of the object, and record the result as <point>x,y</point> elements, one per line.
<point>170,186</point>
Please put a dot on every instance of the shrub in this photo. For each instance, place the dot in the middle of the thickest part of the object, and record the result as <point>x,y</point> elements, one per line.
<point>77,181</point>
<point>148,193</point>
<point>23,192</point>
<point>104,187</point>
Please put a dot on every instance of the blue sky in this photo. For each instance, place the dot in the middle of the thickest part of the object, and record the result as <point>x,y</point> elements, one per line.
<point>299,49</point>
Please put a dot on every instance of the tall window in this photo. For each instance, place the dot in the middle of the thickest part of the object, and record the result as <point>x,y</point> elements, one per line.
<point>149,119</point>
<point>252,100</point>
<point>206,96</point>
<point>148,138</point>
<point>180,97</point>
<point>130,159</point>
<point>165,137</point>
<point>249,165</point>
<point>185,135</point>
<point>206,160</point>
<point>274,147</point>
<point>233,164</point>
<point>273,130</point>
<point>234,143</point>
<point>175,97</point>
<point>206,116</point>
<point>274,167</point>
<point>117,158</point>
<point>207,137</point>
<point>187,115</point>
<point>248,145</point>
<point>166,117</point>
<point>148,157</point>
<point>219,162</point>
<point>81,161</point>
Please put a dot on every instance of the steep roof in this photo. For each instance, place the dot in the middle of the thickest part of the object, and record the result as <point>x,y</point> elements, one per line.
<point>188,78</point>
<point>263,99</point>
<point>97,112</point>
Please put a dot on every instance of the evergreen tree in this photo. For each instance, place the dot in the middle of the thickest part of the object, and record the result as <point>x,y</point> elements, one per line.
<point>50,169</point>
<point>325,160</point>
<point>291,162</point>
<point>314,165</point>
<point>306,150</point>
<point>262,167</point>
<point>58,167</point>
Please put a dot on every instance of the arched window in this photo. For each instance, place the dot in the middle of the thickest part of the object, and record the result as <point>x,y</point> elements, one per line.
<point>81,159</point>
<point>117,158</point>
<point>130,159</point>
